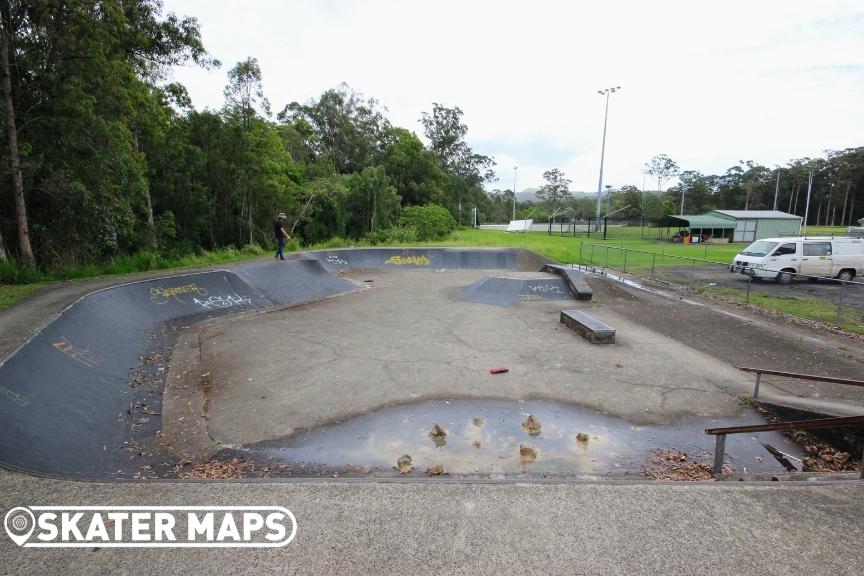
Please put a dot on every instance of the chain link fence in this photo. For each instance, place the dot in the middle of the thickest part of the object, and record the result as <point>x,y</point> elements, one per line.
<point>836,301</point>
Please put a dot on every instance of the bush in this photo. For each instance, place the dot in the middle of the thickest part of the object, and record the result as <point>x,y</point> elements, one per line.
<point>392,235</point>
<point>12,272</point>
<point>432,222</point>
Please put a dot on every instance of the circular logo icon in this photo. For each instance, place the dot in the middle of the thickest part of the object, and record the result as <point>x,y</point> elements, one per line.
<point>19,523</point>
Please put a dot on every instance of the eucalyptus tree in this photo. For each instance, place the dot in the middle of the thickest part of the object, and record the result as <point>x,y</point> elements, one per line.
<point>662,168</point>
<point>556,189</point>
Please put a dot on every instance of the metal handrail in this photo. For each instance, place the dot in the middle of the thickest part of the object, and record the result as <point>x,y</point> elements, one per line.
<point>720,445</point>
<point>814,377</point>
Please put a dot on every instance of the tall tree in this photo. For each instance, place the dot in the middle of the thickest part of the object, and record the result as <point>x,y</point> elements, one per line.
<point>662,168</point>
<point>446,134</point>
<point>556,188</point>
<point>244,101</point>
<point>342,125</point>
<point>7,41</point>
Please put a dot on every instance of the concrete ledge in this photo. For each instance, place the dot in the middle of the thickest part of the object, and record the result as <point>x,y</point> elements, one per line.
<point>575,281</point>
<point>588,327</point>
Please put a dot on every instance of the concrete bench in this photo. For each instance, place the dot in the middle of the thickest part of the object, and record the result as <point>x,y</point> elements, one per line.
<point>588,327</point>
<point>575,281</point>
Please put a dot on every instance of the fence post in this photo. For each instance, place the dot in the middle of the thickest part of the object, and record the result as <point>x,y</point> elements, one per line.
<point>625,259</point>
<point>756,389</point>
<point>719,449</point>
<point>840,308</point>
<point>653,261</point>
<point>705,257</point>
<point>749,282</point>
<point>592,254</point>
<point>861,475</point>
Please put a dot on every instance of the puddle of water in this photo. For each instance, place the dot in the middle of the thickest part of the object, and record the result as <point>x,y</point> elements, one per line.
<point>485,437</point>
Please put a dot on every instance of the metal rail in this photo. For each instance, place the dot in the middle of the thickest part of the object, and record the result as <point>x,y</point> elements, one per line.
<point>720,445</point>
<point>814,377</point>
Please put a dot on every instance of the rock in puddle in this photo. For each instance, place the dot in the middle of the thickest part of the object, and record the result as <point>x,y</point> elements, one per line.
<point>531,425</point>
<point>527,453</point>
<point>403,464</point>
<point>438,435</point>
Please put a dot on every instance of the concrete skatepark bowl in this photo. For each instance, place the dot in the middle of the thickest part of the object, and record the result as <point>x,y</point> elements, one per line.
<point>261,360</point>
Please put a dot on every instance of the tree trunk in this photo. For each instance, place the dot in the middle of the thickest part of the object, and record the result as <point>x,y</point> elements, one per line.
<point>845,204</point>
<point>3,255</point>
<point>147,200</point>
<point>26,252</point>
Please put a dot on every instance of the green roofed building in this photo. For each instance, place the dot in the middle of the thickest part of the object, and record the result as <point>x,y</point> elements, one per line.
<point>740,225</point>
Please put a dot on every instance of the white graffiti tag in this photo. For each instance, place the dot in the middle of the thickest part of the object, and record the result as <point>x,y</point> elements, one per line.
<point>552,288</point>
<point>335,259</point>
<point>226,301</point>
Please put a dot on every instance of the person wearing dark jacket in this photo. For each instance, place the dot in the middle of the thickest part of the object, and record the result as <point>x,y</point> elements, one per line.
<point>281,235</point>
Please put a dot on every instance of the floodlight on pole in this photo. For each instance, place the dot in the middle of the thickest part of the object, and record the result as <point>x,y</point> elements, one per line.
<point>605,92</point>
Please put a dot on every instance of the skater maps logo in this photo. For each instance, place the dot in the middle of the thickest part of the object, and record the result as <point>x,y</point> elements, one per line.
<point>150,526</point>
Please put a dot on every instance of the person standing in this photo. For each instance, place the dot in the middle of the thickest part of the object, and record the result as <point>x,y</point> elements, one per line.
<point>281,235</point>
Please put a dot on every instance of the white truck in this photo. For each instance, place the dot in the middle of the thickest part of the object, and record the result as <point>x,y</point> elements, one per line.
<point>782,258</point>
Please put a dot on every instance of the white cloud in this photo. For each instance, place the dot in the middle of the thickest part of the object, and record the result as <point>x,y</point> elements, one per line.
<point>706,84</point>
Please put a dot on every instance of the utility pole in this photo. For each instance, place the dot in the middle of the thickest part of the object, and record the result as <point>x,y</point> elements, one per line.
<point>777,189</point>
<point>605,92</point>
<point>809,189</point>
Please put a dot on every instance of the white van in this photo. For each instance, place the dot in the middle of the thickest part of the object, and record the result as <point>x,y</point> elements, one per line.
<point>780,258</point>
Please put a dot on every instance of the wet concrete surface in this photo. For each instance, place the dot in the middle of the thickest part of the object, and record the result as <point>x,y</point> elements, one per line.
<point>482,439</point>
<point>409,339</point>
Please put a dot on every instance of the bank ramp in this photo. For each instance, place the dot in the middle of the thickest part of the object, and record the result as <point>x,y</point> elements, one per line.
<point>82,396</point>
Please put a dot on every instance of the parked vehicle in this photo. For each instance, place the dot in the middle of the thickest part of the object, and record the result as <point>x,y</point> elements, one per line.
<point>782,258</point>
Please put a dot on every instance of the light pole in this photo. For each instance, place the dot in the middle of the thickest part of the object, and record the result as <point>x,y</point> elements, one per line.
<point>515,168</point>
<point>607,92</point>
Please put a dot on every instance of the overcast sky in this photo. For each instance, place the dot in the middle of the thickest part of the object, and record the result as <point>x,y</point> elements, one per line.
<point>709,84</point>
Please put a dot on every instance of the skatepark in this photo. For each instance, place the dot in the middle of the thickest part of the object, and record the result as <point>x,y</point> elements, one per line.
<point>321,372</point>
<point>340,362</point>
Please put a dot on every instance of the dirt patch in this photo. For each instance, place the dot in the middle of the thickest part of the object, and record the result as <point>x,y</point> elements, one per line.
<point>528,261</point>
<point>218,470</point>
<point>735,336</point>
<point>664,464</point>
<point>609,292</point>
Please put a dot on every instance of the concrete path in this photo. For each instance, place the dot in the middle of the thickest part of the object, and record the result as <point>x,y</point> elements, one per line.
<point>470,528</point>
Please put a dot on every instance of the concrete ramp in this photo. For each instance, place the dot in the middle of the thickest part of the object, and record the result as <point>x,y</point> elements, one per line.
<point>82,396</point>
<point>498,291</point>
<point>420,258</point>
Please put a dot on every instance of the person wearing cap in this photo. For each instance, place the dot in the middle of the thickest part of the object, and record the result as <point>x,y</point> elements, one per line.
<point>281,235</point>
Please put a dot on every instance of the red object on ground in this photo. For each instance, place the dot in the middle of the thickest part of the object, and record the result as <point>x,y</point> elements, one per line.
<point>498,370</point>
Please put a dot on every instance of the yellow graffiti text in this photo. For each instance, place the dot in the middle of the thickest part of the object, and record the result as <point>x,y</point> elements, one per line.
<point>408,260</point>
<point>161,295</point>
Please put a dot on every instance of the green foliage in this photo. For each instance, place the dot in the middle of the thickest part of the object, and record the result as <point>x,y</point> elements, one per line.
<point>393,235</point>
<point>430,221</point>
<point>556,189</point>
